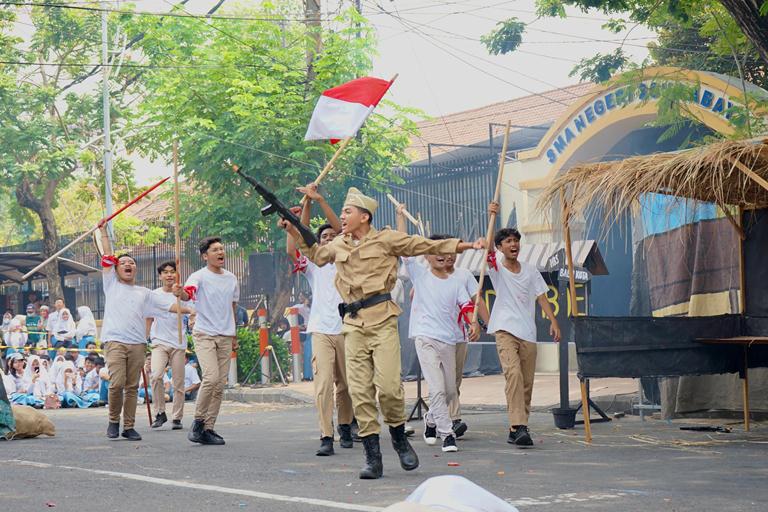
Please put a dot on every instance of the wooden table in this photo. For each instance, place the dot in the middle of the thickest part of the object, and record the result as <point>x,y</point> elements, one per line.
<point>746,342</point>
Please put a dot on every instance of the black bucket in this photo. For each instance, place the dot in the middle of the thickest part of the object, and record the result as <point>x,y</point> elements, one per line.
<point>564,418</point>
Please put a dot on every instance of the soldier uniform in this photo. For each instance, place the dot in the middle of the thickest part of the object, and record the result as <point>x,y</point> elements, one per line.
<point>366,273</point>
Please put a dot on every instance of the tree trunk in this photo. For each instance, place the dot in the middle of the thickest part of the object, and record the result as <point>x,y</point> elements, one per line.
<point>746,13</point>
<point>44,212</point>
<point>312,15</point>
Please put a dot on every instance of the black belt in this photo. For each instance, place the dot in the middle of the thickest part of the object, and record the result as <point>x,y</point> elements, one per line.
<point>353,307</point>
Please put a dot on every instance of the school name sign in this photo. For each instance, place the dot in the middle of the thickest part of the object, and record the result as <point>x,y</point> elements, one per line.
<point>705,97</point>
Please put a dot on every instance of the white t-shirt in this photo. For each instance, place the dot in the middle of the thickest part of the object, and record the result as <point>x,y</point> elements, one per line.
<point>91,380</point>
<point>514,309</point>
<point>126,308</point>
<point>436,304</point>
<point>165,327</point>
<point>324,316</point>
<point>190,376</point>
<point>213,303</point>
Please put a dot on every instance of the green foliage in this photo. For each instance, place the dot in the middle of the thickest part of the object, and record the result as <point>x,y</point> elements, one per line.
<point>600,68</point>
<point>244,97</point>
<point>248,354</point>
<point>505,38</point>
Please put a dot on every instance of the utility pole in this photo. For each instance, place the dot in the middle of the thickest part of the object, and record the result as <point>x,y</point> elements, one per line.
<point>312,15</point>
<point>106,108</point>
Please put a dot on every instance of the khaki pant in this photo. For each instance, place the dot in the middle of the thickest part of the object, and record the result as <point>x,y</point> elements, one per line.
<point>161,356</point>
<point>329,369</point>
<point>461,357</point>
<point>213,354</point>
<point>438,365</point>
<point>373,365</point>
<point>124,362</point>
<point>518,361</point>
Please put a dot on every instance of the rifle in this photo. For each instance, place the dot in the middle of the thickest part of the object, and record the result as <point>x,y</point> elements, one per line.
<point>275,206</point>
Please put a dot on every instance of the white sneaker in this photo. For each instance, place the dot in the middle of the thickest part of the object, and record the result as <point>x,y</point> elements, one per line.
<point>430,434</point>
<point>449,444</point>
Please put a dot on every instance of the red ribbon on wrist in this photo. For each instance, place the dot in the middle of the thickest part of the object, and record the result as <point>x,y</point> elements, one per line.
<point>108,260</point>
<point>301,263</point>
<point>466,311</point>
<point>191,291</point>
<point>491,260</point>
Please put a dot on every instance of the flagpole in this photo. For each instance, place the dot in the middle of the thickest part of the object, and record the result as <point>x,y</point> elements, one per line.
<point>344,143</point>
<point>406,213</point>
<point>491,222</point>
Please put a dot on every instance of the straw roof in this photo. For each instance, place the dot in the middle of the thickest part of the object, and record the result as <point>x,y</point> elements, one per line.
<point>725,173</point>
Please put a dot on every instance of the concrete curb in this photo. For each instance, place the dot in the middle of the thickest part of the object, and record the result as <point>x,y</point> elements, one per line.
<point>276,395</point>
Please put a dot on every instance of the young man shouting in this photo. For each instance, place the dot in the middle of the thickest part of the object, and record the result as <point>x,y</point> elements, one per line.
<point>366,270</point>
<point>168,346</point>
<point>519,286</point>
<point>123,331</point>
<point>324,324</point>
<point>215,292</point>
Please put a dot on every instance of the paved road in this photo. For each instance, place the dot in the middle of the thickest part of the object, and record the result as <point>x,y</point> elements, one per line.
<point>269,464</point>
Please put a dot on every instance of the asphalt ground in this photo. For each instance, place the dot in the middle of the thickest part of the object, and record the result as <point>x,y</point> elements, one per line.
<point>269,464</point>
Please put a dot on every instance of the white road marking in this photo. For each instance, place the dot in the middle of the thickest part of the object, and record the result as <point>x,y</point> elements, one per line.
<point>206,487</point>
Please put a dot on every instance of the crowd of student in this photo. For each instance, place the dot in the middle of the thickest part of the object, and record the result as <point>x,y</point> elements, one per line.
<point>49,360</point>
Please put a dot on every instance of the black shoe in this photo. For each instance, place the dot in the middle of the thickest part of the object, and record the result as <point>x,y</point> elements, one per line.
<point>449,444</point>
<point>326,447</point>
<point>177,425</point>
<point>430,434</point>
<point>408,458</point>
<point>196,432</point>
<point>520,436</point>
<point>345,436</point>
<point>160,419</point>
<point>211,437</point>
<point>101,403</point>
<point>373,468</point>
<point>113,430</point>
<point>131,435</point>
<point>38,406</point>
<point>459,428</point>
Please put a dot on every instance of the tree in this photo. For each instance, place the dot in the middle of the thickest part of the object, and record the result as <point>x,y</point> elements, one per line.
<point>706,35</point>
<point>236,91</point>
<point>46,126</point>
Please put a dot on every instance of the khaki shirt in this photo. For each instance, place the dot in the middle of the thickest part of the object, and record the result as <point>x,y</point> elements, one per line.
<point>368,266</point>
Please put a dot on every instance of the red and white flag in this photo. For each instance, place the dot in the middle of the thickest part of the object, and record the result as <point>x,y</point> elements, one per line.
<point>341,111</point>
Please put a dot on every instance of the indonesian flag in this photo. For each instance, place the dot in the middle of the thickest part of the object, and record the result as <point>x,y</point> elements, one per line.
<point>341,111</point>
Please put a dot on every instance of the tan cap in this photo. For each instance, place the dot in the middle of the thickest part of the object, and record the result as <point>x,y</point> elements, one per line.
<point>357,198</point>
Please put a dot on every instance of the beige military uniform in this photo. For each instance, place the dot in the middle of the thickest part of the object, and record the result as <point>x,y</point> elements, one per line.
<point>365,268</point>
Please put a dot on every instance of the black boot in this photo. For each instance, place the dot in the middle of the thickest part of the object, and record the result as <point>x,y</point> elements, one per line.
<point>408,458</point>
<point>160,419</point>
<point>345,436</point>
<point>196,432</point>
<point>373,468</point>
<point>326,447</point>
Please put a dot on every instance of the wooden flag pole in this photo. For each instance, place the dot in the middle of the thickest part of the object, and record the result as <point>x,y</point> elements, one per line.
<point>329,165</point>
<point>407,214</point>
<point>491,222</point>
<point>177,235</point>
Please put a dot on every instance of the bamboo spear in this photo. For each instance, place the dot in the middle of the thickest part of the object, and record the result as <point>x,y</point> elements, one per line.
<point>491,222</point>
<point>93,229</point>
<point>177,235</point>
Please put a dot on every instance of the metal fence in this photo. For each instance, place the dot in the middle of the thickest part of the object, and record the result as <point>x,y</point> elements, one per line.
<point>451,196</point>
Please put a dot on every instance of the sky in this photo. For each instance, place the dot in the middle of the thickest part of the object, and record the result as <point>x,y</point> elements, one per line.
<point>434,46</point>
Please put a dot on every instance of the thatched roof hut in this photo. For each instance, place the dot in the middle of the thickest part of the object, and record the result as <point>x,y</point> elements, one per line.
<point>728,173</point>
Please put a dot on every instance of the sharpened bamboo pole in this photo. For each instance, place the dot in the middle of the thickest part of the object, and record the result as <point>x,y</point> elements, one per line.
<point>407,214</point>
<point>177,237</point>
<point>491,222</point>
